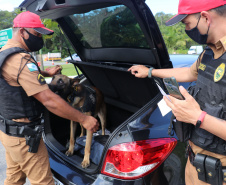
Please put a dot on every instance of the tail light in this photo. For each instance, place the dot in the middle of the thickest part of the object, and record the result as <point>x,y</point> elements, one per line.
<point>136,159</point>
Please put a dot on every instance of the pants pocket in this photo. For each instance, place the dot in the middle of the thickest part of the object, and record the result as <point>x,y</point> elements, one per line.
<point>10,141</point>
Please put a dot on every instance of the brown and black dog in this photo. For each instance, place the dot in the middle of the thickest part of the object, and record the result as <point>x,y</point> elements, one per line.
<point>86,99</point>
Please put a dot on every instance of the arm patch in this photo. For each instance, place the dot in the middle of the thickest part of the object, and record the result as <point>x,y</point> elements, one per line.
<point>32,67</point>
<point>41,79</point>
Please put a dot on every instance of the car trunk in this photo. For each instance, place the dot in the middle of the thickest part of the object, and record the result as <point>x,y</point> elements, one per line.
<point>109,36</point>
<point>124,95</point>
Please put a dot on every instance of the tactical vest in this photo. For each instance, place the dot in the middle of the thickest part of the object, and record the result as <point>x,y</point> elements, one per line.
<point>89,102</point>
<point>14,101</point>
<point>210,93</point>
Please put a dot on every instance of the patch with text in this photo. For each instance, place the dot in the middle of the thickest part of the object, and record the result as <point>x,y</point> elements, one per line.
<point>202,67</point>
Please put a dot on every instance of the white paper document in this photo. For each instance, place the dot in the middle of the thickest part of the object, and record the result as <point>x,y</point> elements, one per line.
<point>163,107</point>
<point>163,92</point>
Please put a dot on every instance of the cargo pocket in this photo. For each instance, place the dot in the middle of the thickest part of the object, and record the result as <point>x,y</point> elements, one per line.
<point>213,110</point>
<point>182,130</point>
<point>41,159</point>
<point>13,146</point>
<point>191,90</point>
<point>206,138</point>
<point>10,141</point>
<point>37,167</point>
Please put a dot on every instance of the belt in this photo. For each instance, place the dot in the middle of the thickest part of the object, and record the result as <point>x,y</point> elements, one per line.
<point>13,128</point>
<point>192,155</point>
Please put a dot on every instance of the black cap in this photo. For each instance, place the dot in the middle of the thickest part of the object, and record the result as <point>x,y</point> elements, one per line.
<point>44,31</point>
<point>177,18</point>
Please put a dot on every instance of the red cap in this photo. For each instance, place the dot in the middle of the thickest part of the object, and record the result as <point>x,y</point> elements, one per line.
<point>187,7</point>
<point>30,20</point>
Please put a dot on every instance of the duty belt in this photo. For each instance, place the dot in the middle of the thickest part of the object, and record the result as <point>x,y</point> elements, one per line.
<point>13,128</point>
<point>190,154</point>
<point>209,168</point>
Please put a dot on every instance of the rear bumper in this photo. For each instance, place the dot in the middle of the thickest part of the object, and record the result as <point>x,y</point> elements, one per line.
<point>71,176</point>
<point>106,180</point>
<point>67,174</point>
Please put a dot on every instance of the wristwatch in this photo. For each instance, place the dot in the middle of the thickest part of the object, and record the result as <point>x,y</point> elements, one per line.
<point>149,72</point>
<point>200,120</point>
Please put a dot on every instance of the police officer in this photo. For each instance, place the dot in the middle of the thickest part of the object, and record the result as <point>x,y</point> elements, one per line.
<point>205,22</point>
<point>23,94</point>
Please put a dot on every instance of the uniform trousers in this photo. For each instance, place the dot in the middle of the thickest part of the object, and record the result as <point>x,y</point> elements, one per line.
<point>22,164</point>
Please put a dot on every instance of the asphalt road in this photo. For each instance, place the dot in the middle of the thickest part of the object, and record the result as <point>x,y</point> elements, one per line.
<point>3,166</point>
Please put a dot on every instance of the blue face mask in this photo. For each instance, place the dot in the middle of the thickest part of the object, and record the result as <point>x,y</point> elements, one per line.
<point>195,35</point>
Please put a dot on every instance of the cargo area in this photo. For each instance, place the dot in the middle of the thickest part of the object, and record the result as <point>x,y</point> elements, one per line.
<point>123,93</point>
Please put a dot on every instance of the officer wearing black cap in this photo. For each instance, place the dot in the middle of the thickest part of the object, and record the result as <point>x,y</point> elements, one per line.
<point>205,108</point>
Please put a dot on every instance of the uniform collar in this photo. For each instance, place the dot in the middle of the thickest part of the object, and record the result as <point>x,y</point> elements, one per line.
<point>219,47</point>
<point>220,44</point>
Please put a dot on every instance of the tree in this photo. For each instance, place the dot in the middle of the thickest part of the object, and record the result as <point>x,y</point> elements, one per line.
<point>175,38</point>
<point>56,42</point>
<point>6,18</point>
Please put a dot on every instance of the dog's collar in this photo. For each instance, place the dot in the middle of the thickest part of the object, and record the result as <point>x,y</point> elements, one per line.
<point>73,94</point>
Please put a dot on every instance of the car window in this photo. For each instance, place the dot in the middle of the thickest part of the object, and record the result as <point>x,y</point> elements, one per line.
<point>113,26</point>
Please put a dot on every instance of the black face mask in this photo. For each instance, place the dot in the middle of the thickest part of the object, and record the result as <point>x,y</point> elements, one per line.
<point>34,43</point>
<point>195,35</point>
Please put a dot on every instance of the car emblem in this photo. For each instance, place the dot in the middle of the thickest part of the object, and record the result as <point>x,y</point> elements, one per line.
<point>219,73</point>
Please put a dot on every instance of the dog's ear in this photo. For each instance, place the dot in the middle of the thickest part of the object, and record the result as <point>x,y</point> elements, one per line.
<point>74,81</point>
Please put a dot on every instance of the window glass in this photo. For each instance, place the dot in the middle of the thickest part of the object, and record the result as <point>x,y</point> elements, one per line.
<point>113,26</point>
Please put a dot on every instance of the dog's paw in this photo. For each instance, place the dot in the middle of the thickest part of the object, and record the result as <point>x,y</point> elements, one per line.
<point>69,153</point>
<point>85,164</point>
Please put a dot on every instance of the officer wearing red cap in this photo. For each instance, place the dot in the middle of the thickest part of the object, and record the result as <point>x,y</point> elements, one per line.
<point>204,109</point>
<point>23,94</point>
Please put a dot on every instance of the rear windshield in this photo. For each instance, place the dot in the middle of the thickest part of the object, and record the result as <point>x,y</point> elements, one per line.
<point>113,26</point>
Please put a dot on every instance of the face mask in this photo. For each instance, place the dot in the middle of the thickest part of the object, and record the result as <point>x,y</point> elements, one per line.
<point>34,43</point>
<point>195,35</point>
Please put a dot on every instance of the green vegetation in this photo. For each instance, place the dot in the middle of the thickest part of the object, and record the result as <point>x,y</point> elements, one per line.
<point>53,43</point>
<point>6,18</point>
<point>175,38</point>
<point>68,69</point>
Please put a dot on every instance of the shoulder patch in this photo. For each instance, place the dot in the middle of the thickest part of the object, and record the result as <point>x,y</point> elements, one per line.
<point>32,67</point>
<point>219,73</point>
<point>41,79</point>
